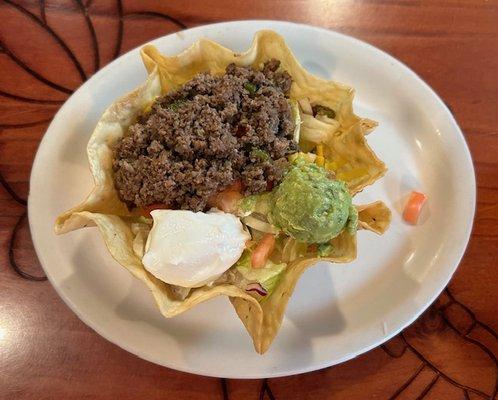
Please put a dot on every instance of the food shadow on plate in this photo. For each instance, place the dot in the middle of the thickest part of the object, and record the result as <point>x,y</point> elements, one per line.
<point>95,278</point>
<point>393,276</point>
<point>101,282</point>
<point>89,276</point>
<point>73,149</point>
<point>313,308</point>
<point>213,325</point>
<point>104,284</point>
<point>138,305</point>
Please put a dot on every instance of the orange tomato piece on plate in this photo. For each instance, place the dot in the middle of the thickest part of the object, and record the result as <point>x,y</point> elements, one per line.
<point>413,207</point>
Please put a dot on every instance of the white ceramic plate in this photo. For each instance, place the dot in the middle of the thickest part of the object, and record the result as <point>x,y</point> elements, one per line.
<point>337,311</point>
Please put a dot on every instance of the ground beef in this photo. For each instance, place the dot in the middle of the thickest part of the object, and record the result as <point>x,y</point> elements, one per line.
<point>213,131</point>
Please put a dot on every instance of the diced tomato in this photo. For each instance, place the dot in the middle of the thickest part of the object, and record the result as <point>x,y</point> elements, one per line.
<point>236,186</point>
<point>262,251</point>
<point>227,199</point>
<point>145,211</point>
<point>414,207</point>
<point>312,248</point>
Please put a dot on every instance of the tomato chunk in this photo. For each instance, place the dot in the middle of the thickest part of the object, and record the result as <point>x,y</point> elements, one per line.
<point>413,207</point>
<point>262,251</point>
<point>145,211</point>
<point>227,199</point>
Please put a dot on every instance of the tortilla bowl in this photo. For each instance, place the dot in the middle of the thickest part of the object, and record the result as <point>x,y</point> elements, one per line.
<point>345,150</point>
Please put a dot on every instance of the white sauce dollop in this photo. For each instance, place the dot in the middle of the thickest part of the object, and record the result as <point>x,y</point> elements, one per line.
<point>191,249</point>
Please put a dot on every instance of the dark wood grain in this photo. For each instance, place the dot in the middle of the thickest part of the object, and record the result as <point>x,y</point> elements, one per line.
<point>48,48</point>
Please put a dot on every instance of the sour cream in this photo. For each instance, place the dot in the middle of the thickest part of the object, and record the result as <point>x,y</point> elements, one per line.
<point>191,249</point>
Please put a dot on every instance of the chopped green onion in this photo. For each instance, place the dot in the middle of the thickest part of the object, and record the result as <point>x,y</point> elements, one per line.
<point>176,104</point>
<point>250,87</point>
<point>261,154</point>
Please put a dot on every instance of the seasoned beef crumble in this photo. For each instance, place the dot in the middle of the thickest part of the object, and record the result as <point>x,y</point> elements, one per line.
<point>200,139</point>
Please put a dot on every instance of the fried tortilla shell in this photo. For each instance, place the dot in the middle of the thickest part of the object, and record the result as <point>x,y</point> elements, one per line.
<point>263,318</point>
<point>111,127</point>
<point>375,217</point>
<point>208,56</point>
<point>345,145</point>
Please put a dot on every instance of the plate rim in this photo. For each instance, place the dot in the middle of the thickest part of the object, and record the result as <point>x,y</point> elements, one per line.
<point>309,367</point>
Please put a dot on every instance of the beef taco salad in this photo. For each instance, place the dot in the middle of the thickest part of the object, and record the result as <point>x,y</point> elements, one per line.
<point>230,174</point>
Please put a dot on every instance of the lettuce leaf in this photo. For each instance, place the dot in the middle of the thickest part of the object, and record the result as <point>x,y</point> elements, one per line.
<point>267,276</point>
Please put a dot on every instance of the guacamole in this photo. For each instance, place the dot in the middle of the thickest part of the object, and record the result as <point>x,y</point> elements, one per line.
<point>310,206</point>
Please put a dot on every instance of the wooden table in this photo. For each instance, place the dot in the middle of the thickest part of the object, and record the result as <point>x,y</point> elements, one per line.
<point>48,48</point>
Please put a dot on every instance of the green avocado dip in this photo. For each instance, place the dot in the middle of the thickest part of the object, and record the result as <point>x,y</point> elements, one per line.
<point>310,206</point>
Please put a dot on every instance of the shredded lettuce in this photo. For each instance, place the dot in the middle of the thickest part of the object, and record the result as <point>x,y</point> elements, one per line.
<point>296,116</point>
<point>268,276</point>
<point>256,223</point>
<point>315,131</point>
<point>247,205</point>
<point>140,232</point>
<point>305,106</point>
<point>257,203</point>
<point>145,220</point>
